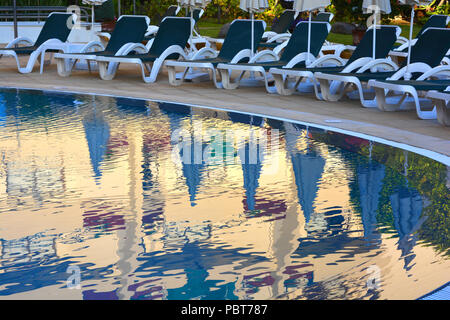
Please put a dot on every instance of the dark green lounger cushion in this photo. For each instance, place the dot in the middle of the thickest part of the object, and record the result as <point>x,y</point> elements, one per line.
<point>430,48</point>
<point>298,43</point>
<point>55,27</point>
<point>172,31</point>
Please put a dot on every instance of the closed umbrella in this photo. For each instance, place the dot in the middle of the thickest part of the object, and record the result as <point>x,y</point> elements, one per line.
<point>377,7</point>
<point>191,5</point>
<point>253,6</point>
<point>93,3</point>
<point>411,3</point>
<point>309,5</point>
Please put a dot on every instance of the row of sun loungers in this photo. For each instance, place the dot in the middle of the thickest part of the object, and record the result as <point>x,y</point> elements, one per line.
<point>292,67</point>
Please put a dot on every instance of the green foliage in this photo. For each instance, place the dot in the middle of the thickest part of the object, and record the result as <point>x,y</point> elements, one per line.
<point>350,11</point>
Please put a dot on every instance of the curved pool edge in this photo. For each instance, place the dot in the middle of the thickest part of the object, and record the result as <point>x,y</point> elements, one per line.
<point>290,116</point>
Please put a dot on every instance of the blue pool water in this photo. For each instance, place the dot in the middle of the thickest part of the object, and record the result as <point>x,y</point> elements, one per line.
<point>111,198</point>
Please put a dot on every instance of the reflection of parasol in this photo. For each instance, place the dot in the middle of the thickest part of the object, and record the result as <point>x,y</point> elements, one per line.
<point>251,167</point>
<point>308,168</point>
<point>370,182</point>
<point>407,208</point>
<point>97,135</point>
<point>191,168</point>
<point>192,172</point>
<point>2,112</point>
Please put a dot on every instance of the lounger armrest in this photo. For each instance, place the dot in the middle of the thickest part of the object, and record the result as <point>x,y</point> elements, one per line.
<point>95,45</point>
<point>402,40</point>
<point>265,55</point>
<point>246,53</point>
<point>131,46</point>
<point>301,57</point>
<point>279,48</point>
<point>328,60</point>
<point>171,50</point>
<point>149,44</point>
<point>379,65</point>
<point>416,67</point>
<point>359,63</point>
<point>436,72</point>
<point>342,48</point>
<point>405,45</point>
<point>205,52</point>
<point>268,34</point>
<point>151,30</point>
<point>281,37</point>
<point>18,41</point>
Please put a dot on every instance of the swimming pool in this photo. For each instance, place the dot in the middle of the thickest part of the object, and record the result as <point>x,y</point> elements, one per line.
<point>114,198</point>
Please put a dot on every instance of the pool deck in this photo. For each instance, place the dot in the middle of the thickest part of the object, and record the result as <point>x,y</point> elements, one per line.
<point>402,127</point>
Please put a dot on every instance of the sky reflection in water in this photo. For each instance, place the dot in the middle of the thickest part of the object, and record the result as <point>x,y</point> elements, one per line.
<point>91,182</point>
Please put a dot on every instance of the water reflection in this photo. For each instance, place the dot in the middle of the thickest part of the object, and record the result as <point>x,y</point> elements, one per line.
<point>100,183</point>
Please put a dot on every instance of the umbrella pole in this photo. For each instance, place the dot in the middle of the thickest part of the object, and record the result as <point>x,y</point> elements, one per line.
<point>309,40</point>
<point>374,35</point>
<point>16,33</point>
<point>190,37</point>
<point>92,19</point>
<point>253,35</point>
<point>411,27</point>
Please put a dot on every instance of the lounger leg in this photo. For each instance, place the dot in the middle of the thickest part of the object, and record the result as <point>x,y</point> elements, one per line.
<point>443,112</point>
<point>156,66</point>
<point>326,89</point>
<point>281,84</point>
<point>218,84</point>
<point>226,79</point>
<point>382,104</point>
<point>103,70</point>
<point>64,67</point>
<point>173,76</point>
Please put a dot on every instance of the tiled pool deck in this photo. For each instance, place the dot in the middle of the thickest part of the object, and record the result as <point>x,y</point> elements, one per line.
<point>403,127</point>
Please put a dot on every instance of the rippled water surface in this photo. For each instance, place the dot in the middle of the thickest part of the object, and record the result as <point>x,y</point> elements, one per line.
<point>96,195</point>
